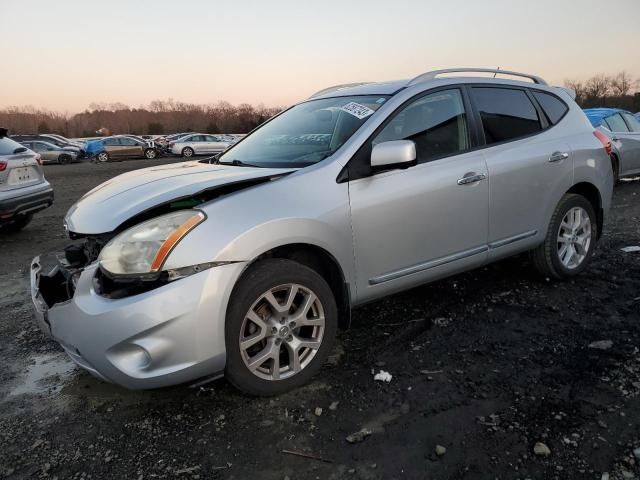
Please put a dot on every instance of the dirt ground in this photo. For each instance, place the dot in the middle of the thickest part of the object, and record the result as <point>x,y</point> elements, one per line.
<point>485,364</point>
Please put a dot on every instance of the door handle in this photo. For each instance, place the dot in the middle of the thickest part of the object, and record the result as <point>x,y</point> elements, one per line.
<point>558,157</point>
<point>471,177</point>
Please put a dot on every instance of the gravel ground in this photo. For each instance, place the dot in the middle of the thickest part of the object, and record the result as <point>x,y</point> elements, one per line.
<point>495,374</point>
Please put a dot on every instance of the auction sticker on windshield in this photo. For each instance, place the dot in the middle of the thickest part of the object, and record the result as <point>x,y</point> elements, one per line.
<point>357,110</point>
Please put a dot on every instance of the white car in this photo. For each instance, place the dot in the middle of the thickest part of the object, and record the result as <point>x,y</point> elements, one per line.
<point>198,144</point>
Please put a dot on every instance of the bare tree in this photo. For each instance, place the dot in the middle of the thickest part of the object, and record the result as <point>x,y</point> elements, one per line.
<point>597,87</point>
<point>622,84</point>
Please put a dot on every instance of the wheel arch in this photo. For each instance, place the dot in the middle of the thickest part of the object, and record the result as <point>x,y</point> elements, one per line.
<point>323,263</point>
<point>592,194</point>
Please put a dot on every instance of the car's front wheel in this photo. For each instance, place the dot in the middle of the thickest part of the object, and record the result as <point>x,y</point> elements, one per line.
<point>570,240</point>
<point>280,328</point>
<point>187,152</point>
<point>150,153</point>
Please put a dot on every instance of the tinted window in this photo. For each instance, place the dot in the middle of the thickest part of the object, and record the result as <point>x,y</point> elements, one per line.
<point>553,107</point>
<point>436,123</point>
<point>111,141</point>
<point>211,138</point>
<point>616,123</point>
<point>506,113</point>
<point>127,141</point>
<point>8,146</point>
<point>632,122</point>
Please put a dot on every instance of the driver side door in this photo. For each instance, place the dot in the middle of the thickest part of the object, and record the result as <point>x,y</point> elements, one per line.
<point>426,221</point>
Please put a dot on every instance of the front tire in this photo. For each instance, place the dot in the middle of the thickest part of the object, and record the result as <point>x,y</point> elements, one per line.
<point>281,324</point>
<point>64,159</point>
<point>187,152</point>
<point>150,154</point>
<point>570,241</point>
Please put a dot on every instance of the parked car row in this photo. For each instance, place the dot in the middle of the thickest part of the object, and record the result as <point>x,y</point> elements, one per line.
<point>622,128</point>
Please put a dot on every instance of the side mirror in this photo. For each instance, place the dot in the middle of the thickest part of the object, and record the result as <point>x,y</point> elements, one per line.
<point>400,153</point>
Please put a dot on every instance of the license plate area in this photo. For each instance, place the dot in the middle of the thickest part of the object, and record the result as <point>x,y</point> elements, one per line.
<point>21,175</point>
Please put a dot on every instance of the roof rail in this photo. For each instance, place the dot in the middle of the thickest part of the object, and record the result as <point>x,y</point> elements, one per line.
<point>335,88</point>
<point>496,71</point>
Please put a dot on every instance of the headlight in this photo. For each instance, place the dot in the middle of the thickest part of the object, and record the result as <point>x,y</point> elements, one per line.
<point>142,249</point>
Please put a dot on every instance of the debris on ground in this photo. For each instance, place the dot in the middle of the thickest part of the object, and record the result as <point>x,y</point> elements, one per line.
<point>601,345</point>
<point>358,436</point>
<point>541,450</point>
<point>383,376</point>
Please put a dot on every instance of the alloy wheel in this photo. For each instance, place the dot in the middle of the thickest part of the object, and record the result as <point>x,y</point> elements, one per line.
<point>282,332</point>
<point>574,237</point>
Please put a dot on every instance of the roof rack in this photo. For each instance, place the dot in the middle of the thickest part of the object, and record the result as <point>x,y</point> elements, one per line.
<point>496,71</point>
<point>335,88</point>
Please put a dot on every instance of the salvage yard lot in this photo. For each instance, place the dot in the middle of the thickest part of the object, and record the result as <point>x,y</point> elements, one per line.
<point>485,364</point>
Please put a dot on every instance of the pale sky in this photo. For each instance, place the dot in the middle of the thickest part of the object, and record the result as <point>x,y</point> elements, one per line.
<point>64,55</point>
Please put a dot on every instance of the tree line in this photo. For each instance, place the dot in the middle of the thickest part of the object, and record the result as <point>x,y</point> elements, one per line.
<point>159,117</point>
<point>169,116</point>
<point>616,91</point>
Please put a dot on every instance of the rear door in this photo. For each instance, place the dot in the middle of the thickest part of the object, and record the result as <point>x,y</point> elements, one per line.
<point>198,144</point>
<point>632,142</point>
<point>529,164</point>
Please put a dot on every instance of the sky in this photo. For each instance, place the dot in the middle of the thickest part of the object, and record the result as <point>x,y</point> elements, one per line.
<point>64,55</point>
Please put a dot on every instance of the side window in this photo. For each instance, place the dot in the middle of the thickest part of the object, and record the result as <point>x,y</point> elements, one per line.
<point>632,122</point>
<point>212,138</point>
<point>111,141</point>
<point>617,123</point>
<point>506,113</point>
<point>553,107</point>
<point>127,141</point>
<point>437,124</point>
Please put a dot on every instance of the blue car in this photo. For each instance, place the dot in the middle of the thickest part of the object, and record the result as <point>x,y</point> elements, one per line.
<point>623,129</point>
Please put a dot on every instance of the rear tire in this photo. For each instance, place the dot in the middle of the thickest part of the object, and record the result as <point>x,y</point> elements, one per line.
<point>272,349</point>
<point>64,159</point>
<point>102,157</point>
<point>187,152</point>
<point>570,241</point>
<point>16,224</point>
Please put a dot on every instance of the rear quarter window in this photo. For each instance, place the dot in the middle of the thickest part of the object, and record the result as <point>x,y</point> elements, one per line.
<point>553,107</point>
<point>8,146</point>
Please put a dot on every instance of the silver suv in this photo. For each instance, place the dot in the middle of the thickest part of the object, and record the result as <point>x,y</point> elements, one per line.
<point>247,263</point>
<point>23,188</point>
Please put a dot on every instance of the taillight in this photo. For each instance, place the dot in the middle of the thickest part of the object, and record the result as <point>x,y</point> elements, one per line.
<point>39,159</point>
<point>3,166</point>
<point>606,143</point>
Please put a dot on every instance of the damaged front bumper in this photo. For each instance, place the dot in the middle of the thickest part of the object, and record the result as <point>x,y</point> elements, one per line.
<point>168,335</point>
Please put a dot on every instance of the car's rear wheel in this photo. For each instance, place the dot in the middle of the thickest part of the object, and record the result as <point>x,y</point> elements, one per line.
<point>64,159</point>
<point>150,153</point>
<point>281,324</point>
<point>570,240</point>
<point>16,224</point>
<point>103,157</point>
<point>187,152</point>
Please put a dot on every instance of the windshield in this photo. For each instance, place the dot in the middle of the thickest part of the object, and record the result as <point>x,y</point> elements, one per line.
<point>305,134</point>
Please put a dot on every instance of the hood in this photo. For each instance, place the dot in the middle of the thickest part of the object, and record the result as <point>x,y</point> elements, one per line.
<point>112,203</point>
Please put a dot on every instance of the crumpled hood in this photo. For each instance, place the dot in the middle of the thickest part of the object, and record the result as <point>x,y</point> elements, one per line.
<point>113,202</point>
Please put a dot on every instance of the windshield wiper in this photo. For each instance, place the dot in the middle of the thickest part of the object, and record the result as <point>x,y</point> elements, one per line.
<point>238,163</point>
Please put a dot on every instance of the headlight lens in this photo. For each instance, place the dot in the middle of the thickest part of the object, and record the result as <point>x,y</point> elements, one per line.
<point>144,248</point>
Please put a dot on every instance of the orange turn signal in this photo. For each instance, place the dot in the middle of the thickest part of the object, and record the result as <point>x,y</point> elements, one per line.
<point>174,238</point>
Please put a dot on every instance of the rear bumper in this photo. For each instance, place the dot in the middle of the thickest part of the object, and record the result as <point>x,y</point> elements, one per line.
<point>24,203</point>
<point>166,336</point>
